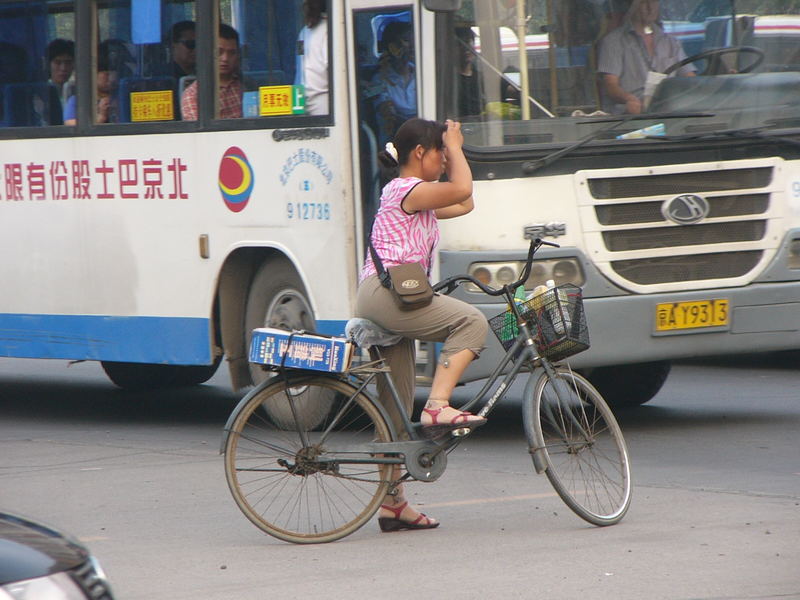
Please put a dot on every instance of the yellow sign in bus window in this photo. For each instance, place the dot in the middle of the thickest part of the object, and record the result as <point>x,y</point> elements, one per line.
<point>690,315</point>
<point>281,100</point>
<point>152,106</point>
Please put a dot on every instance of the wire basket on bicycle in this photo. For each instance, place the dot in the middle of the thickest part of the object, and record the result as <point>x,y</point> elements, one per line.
<point>556,318</point>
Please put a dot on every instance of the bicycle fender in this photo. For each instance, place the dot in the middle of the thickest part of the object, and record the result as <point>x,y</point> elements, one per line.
<point>528,410</point>
<point>267,382</point>
<point>239,407</point>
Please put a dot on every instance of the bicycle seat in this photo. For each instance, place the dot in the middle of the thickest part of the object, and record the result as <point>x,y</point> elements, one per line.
<point>366,334</point>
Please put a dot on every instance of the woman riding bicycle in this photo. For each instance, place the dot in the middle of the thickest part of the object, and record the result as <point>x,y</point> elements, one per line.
<point>406,231</point>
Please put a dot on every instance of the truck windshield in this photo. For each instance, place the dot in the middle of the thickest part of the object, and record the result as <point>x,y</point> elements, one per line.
<point>540,72</point>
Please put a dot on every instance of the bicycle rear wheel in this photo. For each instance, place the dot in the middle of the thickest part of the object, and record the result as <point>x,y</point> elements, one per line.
<point>308,483</point>
<point>573,431</point>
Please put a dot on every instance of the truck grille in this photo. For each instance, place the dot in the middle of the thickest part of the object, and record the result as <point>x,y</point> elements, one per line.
<point>695,267</point>
<point>637,246</point>
<point>680,183</point>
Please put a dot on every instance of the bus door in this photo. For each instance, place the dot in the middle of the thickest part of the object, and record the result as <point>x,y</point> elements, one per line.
<point>383,66</point>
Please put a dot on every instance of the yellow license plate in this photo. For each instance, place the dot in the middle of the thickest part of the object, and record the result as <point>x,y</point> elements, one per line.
<point>690,315</point>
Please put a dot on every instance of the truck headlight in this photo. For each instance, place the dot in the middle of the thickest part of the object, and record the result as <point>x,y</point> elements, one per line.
<point>498,274</point>
<point>793,262</point>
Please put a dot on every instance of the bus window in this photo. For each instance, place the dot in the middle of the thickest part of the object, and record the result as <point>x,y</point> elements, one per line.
<point>37,59</point>
<point>145,52</point>
<point>387,71</point>
<point>282,66</point>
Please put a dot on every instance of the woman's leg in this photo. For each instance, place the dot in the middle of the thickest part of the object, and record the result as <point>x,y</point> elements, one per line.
<point>401,360</point>
<point>448,372</point>
<point>396,513</point>
<point>374,303</point>
<point>466,330</point>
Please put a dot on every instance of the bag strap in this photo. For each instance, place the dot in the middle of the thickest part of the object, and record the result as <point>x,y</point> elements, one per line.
<point>383,275</point>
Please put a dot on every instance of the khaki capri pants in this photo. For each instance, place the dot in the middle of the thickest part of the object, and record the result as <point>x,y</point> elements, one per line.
<point>457,324</point>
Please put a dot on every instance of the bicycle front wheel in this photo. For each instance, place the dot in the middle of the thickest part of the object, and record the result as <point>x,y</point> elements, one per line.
<point>573,431</point>
<point>307,482</point>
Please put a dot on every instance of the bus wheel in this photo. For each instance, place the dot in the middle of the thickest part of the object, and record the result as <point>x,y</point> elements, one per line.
<point>277,298</point>
<point>142,376</point>
<point>624,386</point>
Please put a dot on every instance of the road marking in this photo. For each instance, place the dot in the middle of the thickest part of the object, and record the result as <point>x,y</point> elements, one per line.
<point>490,500</point>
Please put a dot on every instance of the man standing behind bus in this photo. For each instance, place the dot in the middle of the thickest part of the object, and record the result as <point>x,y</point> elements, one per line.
<point>230,82</point>
<point>629,53</point>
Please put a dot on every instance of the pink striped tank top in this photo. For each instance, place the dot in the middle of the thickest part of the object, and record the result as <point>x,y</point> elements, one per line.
<point>399,237</point>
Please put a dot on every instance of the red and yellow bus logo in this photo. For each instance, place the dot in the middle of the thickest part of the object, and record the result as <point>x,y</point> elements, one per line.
<point>235,179</point>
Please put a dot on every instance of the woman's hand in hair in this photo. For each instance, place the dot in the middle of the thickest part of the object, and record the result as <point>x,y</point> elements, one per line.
<point>452,137</point>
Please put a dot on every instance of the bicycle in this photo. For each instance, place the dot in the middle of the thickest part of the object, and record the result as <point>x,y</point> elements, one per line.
<point>311,479</point>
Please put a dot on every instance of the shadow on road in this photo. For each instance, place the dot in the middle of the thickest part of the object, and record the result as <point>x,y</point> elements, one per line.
<point>663,418</point>
<point>89,401</point>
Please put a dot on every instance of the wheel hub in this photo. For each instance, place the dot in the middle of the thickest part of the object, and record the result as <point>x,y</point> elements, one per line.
<point>306,463</point>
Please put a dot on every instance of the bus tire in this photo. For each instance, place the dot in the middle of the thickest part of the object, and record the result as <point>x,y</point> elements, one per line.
<point>277,298</point>
<point>625,386</point>
<point>144,376</point>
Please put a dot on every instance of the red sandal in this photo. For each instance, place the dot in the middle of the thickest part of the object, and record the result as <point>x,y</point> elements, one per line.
<point>459,419</point>
<point>388,524</point>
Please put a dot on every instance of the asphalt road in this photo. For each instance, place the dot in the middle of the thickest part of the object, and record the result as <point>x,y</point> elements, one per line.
<point>715,512</point>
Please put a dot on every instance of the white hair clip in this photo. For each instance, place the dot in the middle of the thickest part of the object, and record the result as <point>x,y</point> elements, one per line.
<point>392,151</point>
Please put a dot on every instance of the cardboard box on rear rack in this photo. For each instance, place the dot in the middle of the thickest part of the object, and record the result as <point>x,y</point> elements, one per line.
<point>303,351</point>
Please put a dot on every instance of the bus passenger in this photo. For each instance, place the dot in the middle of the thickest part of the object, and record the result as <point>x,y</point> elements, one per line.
<point>183,58</point>
<point>230,81</point>
<point>628,53</point>
<point>393,89</point>
<point>406,230</point>
<point>61,64</point>
<point>107,81</point>
<point>312,67</point>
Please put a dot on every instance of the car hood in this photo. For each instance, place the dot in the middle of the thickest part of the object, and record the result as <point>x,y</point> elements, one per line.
<point>29,549</point>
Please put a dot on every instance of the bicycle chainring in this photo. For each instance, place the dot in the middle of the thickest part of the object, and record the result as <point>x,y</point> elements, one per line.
<point>426,462</point>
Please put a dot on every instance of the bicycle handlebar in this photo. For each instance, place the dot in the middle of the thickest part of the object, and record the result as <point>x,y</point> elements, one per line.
<point>451,283</point>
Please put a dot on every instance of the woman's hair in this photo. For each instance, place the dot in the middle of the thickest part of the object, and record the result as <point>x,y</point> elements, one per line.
<point>413,132</point>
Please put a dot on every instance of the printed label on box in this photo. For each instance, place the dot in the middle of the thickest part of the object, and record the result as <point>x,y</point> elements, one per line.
<point>303,351</point>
